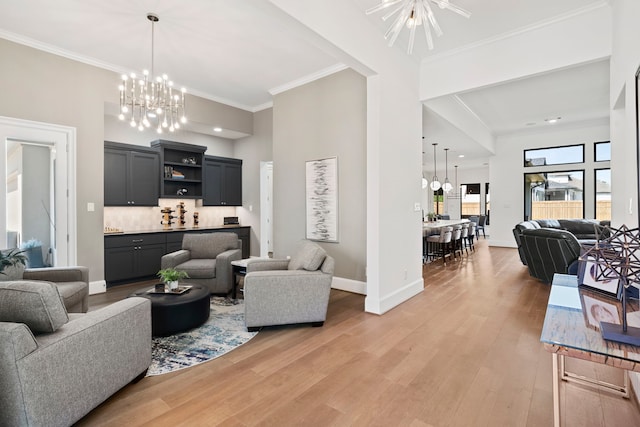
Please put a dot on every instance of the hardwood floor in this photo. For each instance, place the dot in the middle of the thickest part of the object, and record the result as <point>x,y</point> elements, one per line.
<point>465,352</point>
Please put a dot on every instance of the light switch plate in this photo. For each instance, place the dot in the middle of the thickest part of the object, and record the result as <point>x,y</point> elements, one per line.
<point>416,207</point>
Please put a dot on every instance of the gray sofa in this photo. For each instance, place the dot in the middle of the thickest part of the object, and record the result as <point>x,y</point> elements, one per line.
<point>206,257</point>
<point>288,291</point>
<point>56,367</point>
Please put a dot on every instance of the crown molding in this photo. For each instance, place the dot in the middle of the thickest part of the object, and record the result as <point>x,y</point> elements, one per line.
<point>509,34</point>
<point>308,79</point>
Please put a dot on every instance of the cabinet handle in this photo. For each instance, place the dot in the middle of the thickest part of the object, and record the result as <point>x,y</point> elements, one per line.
<point>137,241</point>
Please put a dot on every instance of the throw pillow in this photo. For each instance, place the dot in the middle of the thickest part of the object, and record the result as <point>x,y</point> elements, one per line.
<point>37,304</point>
<point>308,257</point>
<point>12,272</point>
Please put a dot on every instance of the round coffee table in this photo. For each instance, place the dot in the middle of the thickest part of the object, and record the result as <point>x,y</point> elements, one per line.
<point>171,313</point>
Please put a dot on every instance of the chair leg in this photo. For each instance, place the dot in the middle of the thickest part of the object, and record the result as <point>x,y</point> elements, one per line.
<point>317,324</point>
<point>253,328</point>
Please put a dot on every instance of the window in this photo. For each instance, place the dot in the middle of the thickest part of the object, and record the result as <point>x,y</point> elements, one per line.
<point>602,151</point>
<point>438,202</point>
<point>554,195</point>
<point>470,200</point>
<point>603,194</point>
<point>487,202</point>
<point>554,156</point>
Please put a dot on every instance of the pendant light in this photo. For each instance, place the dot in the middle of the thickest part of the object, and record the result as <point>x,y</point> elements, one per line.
<point>446,187</point>
<point>435,184</point>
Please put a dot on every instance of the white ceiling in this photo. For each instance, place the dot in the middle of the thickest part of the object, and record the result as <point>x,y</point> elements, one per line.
<point>240,52</point>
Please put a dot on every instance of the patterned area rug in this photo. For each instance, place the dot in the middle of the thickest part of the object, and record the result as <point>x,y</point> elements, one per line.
<point>224,331</point>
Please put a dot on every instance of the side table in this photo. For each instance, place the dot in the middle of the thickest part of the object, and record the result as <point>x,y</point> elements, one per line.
<point>240,270</point>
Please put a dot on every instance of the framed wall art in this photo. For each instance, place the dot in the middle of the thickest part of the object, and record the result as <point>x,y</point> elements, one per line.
<point>322,199</point>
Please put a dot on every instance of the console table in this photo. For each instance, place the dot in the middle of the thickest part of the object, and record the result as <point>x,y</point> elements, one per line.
<point>565,333</point>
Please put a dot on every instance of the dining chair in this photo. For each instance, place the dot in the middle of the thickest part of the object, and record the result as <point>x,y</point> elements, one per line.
<point>480,226</point>
<point>456,239</point>
<point>471,235</point>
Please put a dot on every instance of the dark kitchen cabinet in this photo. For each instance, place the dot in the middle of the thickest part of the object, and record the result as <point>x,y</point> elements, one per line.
<point>133,256</point>
<point>130,175</point>
<point>223,181</point>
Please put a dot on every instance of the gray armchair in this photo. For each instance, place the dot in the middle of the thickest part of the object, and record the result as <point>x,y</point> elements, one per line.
<point>56,367</point>
<point>206,257</point>
<point>281,292</point>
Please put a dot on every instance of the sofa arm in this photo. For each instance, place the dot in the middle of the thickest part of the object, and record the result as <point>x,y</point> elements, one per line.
<point>285,297</point>
<point>261,264</point>
<point>86,361</point>
<point>224,269</point>
<point>174,259</point>
<point>58,274</point>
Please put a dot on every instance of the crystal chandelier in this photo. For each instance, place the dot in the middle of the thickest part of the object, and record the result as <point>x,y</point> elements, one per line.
<point>151,101</point>
<point>412,14</point>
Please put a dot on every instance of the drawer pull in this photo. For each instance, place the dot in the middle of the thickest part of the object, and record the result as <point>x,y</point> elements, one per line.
<point>137,240</point>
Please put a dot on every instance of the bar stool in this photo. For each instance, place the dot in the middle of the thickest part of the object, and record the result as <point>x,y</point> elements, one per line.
<point>456,240</point>
<point>439,244</point>
<point>463,238</point>
<point>471,234</point>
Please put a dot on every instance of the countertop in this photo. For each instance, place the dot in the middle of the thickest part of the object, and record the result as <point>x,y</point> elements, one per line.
<point>170,230</point>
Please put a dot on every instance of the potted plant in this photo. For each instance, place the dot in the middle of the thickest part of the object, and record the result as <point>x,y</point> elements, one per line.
<point>13,259</point>
<point>171,276</point>
<point>431,217</point>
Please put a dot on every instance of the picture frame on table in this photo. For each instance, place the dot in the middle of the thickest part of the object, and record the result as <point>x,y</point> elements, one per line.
<point>597,308</point>
<point>588,278</point>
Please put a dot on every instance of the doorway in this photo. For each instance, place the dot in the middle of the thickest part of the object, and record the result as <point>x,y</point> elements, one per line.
<point>266,209</point>
<point>37,175</point>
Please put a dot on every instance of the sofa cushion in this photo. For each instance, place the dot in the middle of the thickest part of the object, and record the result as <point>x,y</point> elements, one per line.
<point>309,256</point>
<point>36,304</point>
<point>209,245</point>
<point>549,223</point>
<point>199,268</point>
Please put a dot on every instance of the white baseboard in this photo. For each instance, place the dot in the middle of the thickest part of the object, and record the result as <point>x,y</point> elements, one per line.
<point>503,244</point>
<point>97,287</point>
<point>349,285</point>
<point>381,306</point>
<point>635,385</point>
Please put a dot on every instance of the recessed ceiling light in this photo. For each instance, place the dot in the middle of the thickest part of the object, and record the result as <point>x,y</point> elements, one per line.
<point>217,129</point>
<point>461,155</point>
<point>530,124</point>
<point>552,120</point>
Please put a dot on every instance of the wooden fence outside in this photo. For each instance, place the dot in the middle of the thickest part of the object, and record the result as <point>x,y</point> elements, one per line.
<point>568,209</point>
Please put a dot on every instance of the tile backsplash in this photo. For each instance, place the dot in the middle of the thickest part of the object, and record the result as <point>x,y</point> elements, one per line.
<point>139,218</point>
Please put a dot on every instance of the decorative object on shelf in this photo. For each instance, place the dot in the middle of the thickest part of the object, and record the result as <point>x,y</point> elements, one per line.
<point>151,98</point>
<point>176,174</point>
<point>196,219</point>
<point>167,217</point>
<point>189,161</point>
<point>168,172</point>
<point>435,183</point>
<point>412,14</point>
<point>446,186</point>
<point>181,211</point>
<point>182,192</point>
<point>171,277</point>
<point>614,258</point>
<point>322,199</point>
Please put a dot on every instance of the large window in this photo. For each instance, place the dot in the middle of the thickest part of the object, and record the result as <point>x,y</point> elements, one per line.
<point>554,195</point>
<point>603,194</point>
<point>470,200</point>
<point>554,156</point>
<point>487,202</point>
<point>438,202</point>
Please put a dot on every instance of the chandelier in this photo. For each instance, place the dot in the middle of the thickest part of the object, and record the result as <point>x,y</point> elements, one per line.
<point>446,186</point>
<point>151,101</point>
<point>412,14</point>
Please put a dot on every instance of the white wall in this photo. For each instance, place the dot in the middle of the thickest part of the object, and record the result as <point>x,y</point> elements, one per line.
<point>253,150</point>
<point>507,173</point>
<point>625,60</point>
<point>325,118</point>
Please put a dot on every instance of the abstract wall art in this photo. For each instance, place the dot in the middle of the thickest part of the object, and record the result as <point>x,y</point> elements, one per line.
<point>322,199</point>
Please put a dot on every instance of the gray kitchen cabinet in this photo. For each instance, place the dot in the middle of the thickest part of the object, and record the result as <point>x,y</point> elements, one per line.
<point>222,181</point>
<point>130,175</point>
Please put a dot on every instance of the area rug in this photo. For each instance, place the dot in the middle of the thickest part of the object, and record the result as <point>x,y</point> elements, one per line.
<point>224,331</point>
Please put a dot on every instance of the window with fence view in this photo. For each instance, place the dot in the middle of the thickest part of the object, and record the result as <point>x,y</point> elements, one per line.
<point>554,195</point>
<point>603,194</point>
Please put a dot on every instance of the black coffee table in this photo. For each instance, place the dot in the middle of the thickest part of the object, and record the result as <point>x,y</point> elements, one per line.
<point>172,313</point>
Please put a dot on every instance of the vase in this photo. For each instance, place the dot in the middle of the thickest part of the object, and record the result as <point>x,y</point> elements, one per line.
<point>173,285</point>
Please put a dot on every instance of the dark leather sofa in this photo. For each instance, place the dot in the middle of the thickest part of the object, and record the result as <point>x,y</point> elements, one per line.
<point>549,246</point>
